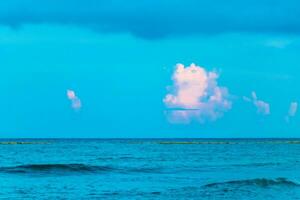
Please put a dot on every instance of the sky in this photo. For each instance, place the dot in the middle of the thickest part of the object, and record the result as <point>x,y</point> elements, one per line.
<point>149,69</point>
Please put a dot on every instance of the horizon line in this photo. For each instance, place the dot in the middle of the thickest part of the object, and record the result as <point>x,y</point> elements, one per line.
<point>116,138</point>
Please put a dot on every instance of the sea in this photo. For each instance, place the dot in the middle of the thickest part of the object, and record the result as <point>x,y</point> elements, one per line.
<point>150,169</point>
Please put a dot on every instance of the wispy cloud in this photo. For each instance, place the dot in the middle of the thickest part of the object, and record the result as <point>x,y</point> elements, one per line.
<point>292,111</point>
<point>195,95</point>
<point>262,106</point>
<point>278,43</point>
<point>75,101</point>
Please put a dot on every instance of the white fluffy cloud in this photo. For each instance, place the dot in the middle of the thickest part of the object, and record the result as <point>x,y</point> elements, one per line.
<point>262,106</point>
<point>75,101</point>
<point>195,95</point>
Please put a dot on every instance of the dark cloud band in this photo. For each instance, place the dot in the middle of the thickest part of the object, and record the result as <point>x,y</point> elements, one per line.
<point>160,18</point>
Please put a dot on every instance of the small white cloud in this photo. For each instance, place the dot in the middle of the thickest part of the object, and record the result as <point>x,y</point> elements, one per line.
<point>262,106</point>
<point>195,95</point>
<point>71,94</point>
<point>292,111</point>
<point>75,101</point>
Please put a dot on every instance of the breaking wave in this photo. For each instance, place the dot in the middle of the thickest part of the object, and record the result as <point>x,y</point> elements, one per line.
<point>48,168</point>
<point>73,168</point>
<point>260,182</point>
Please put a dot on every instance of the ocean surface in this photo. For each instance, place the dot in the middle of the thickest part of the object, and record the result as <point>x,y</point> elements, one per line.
<point>150,169</point>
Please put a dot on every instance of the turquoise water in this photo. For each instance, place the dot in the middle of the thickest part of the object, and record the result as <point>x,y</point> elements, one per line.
<point>150,169</point>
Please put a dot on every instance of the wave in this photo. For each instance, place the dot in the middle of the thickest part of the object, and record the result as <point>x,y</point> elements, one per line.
<point>260,182</point>
<point>60,168</point>
<point>72,168</point>
<point>22,142</point>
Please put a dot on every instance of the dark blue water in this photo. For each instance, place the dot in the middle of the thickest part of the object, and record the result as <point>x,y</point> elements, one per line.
<point>150,169</point>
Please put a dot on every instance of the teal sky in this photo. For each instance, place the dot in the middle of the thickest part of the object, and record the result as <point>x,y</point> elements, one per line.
<point>120,65</point>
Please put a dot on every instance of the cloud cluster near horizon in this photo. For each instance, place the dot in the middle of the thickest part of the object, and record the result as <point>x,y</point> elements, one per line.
<point>158,18</point>
<point>75,101</point>
<point>195,95</point>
